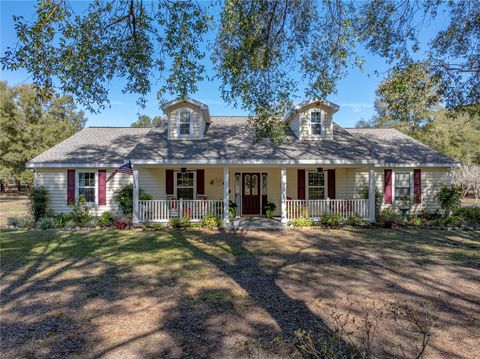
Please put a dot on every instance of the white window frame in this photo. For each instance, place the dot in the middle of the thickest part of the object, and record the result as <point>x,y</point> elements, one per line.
<point>325,186</point>
<point>77,183</point>
<point>179,116</point>
<point>175,173</point>
<point>310,123</point>
<point>394,195</point>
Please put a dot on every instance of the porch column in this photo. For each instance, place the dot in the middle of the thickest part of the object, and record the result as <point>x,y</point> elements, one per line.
<point>371,195</point>
<point>135,196</point>
<point>226,188</point>
<point>283,191</point>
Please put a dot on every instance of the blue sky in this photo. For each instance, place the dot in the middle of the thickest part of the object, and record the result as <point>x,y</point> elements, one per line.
<point>355,95</point>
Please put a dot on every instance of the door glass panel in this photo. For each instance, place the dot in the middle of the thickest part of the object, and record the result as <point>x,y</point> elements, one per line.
<point>264,184</point>
<point>246,190</point>
<point>254,185</point>
<point>237,184</point>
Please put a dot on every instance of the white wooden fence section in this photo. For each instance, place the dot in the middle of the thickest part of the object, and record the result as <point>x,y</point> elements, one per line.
<point>163,210</point>
<point>316,208</point>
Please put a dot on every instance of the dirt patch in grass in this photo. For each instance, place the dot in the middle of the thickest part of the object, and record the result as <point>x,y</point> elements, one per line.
<point>202,294</point>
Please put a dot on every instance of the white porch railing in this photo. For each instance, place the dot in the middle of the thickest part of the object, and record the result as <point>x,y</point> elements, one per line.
<point>163,210</point>
<point>314,209</point>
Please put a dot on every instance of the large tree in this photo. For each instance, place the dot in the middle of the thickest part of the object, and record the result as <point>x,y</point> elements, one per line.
<point>259,45</point>
<point>30,126</point>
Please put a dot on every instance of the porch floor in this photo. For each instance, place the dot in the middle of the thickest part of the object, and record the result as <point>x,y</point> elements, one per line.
<point>256,223</point>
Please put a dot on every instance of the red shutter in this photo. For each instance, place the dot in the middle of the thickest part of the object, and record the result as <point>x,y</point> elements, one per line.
<point>417,185</point>
<point>301,184</point>
<point>169,182</point>
<point>331,184</point>
<point>102,187</point>
<point>387,194</point>
<point>70,186</point>
<point>201,181</point>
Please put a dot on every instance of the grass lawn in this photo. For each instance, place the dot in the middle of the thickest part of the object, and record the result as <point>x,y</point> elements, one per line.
<point>12,206</point>
<point>202,294</point>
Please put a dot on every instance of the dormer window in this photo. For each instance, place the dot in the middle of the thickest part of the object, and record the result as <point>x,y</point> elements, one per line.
<point>316,123</point>
<point>184,126</point>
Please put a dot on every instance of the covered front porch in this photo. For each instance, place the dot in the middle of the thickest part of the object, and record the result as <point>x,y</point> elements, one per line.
<point>233,192</point>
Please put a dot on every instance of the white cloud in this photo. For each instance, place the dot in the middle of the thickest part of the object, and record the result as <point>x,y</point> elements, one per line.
<point>357,107</point>
<point>116,103</point>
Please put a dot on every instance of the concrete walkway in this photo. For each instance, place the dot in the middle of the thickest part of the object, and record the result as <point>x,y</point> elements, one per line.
<point>256,223</point>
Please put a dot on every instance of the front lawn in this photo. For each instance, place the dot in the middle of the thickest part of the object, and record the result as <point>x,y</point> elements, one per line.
<point>205,294</point>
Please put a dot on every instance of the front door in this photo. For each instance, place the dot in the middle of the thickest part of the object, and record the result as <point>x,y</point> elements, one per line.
<point>251,193</point>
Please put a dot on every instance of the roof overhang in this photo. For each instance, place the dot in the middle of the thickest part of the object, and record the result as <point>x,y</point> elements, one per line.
<point>317,101</point>
<point>201,106</point>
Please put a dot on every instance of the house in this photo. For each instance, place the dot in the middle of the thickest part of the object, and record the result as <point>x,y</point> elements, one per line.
<point>196,163</point>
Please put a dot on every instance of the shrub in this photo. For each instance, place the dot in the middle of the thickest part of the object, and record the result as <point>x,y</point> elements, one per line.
<point>331,220</point>
<point>356,221</point>
<point>269,208</point>
<point>471,214</point>
<point>301,222</point>
<point>105,220</point>
<point>390,216</point>
<point>378,198</point>
<point>232,209</point>
<point>449,198</point>
<point>179,222</point>
<point>46,223</point>
<point>80,213</point>
<point>15,221</point>
<point>415,220</point>
<point>158,226</point>
<point>60,220</point>
<point>38,201</point>
<point>124,197</point>
<point>210,221</point>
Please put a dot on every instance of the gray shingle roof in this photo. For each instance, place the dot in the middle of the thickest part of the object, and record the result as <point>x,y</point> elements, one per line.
<point>228,139</point>
<point>393,146</point>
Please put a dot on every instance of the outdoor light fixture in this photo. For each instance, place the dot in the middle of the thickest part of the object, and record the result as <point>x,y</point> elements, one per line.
<point>319,169</point>
<point>183,169</point>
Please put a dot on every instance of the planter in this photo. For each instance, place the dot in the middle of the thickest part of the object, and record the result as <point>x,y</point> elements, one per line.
<point>269,214</point>
<point>120,225</point>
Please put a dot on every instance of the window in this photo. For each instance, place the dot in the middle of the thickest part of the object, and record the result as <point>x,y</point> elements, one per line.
<point>185,185</point>
<point>184,123</point>
<point>316,185</point>
<point>264,184</point>
<point>316,123</point>
<point>402,185</point>
<point>86,186</point>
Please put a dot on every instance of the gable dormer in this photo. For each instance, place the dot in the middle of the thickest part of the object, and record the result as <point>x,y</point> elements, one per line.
<point>187,119</point>
<point>312,120</point>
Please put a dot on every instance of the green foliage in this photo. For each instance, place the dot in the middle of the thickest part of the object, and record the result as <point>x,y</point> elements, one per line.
<point>158,226</point>
<point>38,202</point>
<point>269,208</point>
<point>449,198</point>
<point>105,220</point>
<point>147,121</point>
<point>211,221</point>
<point>30,126</point>
<point>300,222</point>
<point>46,223</point>
<point>378,198</point>
<point>232,209</point>
<point>331,220</point>
<point>124,198</point>
<point>356,221</point>
<point>389,215</point>
<point>15,222</point>
<point>61,220</point>
<point>80,213</point>
<point>471,214</point>
<point>415,220</point>
<point>179,222</point>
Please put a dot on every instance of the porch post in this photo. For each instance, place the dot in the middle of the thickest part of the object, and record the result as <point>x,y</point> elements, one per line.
<point>283,189</point>
<point>226,188</point>
<point>371,195</point>
<point>135,196</point>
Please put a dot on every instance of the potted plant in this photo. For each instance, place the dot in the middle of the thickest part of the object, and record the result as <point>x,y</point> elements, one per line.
<point>232,209</point>
<point>269,208</point>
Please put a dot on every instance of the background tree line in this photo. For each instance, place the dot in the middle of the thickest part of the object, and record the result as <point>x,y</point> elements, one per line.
<point>30,125</point>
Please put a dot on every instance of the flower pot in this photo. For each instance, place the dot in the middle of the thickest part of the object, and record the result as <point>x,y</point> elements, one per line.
<point>269,214</point>
<point>120,225</point>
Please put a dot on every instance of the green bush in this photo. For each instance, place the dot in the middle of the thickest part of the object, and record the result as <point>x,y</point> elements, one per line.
<point>210,221</point>
<point>232,209</point>
<point>470,214</point>
<point>38,201</point>
<point>390,215</point>
<point>415,220</point>
<point>46,223</point>
<point>158,226</point>
<point>15,221</point>
<point>179,222</point>
<point>124,198</point>
<point>449,198</point>
<point>105,220</point>
<point>80,213</point>
<point>331,220</point>
<point>378,198</point>
<point>356,221</point>
<point>301,222</point>
<point>61,220</point>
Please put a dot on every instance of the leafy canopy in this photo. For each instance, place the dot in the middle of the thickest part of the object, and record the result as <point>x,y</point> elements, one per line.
<point>258,47</point>
<point>31,125</point>
<point>147,121</point>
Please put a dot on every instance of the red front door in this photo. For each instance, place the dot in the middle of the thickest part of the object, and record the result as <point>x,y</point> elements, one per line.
<point>251,193</point>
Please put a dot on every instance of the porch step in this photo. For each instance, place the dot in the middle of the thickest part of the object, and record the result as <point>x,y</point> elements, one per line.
<point>256,223</point>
